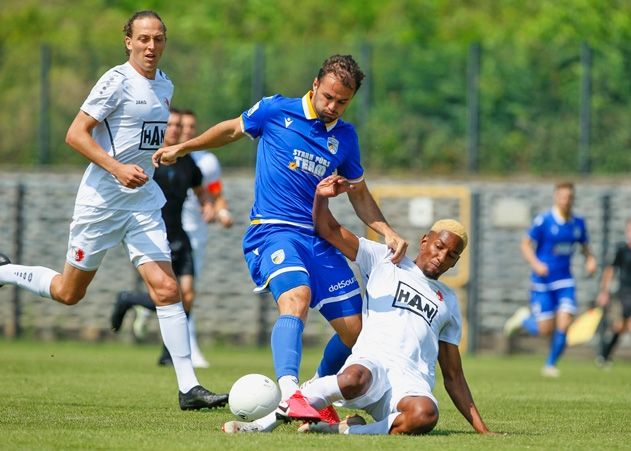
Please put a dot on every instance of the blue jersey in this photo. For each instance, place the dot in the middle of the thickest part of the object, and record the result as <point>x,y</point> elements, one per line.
<point>555,240</point>
<point>295,151</point>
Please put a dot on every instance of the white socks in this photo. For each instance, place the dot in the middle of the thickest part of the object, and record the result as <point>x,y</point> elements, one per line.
<point>288,386</point>
<point>378,428</point>
<point>322,392</point>
<point>36,279</point>
<point>174,330</point>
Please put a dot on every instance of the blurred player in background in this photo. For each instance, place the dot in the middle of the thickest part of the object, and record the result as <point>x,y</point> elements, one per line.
<point>119,125</point>
<point>302,140</point>
<point>548,248</point>
<point>175,181</point>
<point>196,224</point>
<point>410,320</point>
<point>621,265</point>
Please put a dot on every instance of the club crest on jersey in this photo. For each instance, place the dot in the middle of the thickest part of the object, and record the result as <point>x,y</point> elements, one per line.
<point>78,254</point>
<point>407,298</point>
<point>152,135</point>
<point>278,256</point>
<point>332,144</point>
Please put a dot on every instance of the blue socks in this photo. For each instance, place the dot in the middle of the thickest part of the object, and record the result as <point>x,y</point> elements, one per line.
<point>334,356</point>
<point>530,325</point>
<point>287,345</point>
<point>557,346</point>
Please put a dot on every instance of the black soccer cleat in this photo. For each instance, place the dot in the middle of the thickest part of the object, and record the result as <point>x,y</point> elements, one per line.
<point>4,260</point>
<point>120,308</point>
<point>200,398</point>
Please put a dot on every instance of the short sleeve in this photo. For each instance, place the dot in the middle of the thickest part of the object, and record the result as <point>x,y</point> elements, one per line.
<point>369,254</point>
<point>536,228</point>
<point>105,97</point>
<point>254,119</point>
<point>351,167</point>
<point>452,330</point>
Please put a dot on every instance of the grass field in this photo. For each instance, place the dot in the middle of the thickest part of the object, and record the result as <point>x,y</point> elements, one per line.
<point>68,395</point>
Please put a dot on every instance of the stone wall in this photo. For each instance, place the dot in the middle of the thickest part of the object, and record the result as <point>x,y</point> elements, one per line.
<point>226,308</point>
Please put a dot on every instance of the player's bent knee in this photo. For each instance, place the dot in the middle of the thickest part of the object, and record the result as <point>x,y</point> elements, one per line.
<point>418,417</point>
<point>354,381</point>
<point>70,298</point>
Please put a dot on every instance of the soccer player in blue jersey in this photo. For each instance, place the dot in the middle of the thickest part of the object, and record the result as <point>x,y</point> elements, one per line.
<point>301,141</point>
<point>548,249</point>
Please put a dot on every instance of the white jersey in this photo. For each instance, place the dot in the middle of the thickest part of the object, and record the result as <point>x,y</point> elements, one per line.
<point>404,313</point>
<point>133,113</point>
<point>192,220</point>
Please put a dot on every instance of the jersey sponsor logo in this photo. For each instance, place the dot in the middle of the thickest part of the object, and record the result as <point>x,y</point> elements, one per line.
<point>288,122</point>
<point>563,249</point>
<point>332,144</point>
<point>278,256</point>
<point>141,102</point>
<point>342,284</point>
<point>152,135</point>
<point>407,298</point>
<point>308,162</point>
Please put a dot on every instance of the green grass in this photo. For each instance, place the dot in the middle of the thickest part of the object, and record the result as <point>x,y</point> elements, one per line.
<point>68,395</point>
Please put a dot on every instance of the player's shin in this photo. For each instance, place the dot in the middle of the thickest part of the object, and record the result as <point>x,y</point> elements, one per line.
<point>322,392</point>
<point>287,352</point>
<point>36,279</point>
<point>174,330</point>
<point>334,355</point>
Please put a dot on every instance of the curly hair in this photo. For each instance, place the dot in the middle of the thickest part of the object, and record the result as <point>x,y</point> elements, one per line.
<point>345,68</point>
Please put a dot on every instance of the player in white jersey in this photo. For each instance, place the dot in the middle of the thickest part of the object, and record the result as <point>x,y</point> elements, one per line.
<point>410,320</point>
<point>195,219</point>
<point>118,127</point>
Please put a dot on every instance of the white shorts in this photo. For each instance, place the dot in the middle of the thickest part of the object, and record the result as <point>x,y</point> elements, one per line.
<point>389,386</point>
<point>95,230</point>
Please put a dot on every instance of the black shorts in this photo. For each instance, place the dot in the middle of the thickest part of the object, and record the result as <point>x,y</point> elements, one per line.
<point>182,255</point>
<point>625,302</point>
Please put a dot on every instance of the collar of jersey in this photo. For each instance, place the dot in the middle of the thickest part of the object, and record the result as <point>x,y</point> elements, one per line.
<point>556,214</point>
<point>310,113</point>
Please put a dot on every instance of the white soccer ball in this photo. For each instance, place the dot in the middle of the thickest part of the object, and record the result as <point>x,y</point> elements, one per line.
<point>253,396</point>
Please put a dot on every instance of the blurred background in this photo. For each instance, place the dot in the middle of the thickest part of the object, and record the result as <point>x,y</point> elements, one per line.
<point>500,99</point>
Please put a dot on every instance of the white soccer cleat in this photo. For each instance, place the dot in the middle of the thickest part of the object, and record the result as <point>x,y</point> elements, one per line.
<point>199,361</point>
<point>239,427</point>
<point>550,371</point>
<point>342,427</point>
<point>513,324</point>
<point>139,326</point>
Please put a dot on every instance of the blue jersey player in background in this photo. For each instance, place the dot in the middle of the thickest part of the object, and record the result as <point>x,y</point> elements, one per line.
<point>301,141</point>
<point>548,249</point>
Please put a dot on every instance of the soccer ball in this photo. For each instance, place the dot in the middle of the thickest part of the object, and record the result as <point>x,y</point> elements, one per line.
<point>253,396</point>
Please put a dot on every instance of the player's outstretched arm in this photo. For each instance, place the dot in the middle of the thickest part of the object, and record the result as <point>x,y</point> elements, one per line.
<point>216,136</point>
<point>368,211</point>
<point>456,385</point>
<point>79,137</point>
<point>325,223</point>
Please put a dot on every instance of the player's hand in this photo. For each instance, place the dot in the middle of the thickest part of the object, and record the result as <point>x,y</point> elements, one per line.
<point>225,218</point>
<point>540,269</point>
<point>603,299</point>
<point>591,266</point>
<point>165,155</point>
<point>333,185</point>
<point>209,214</point>
<point>130,175</point>
<point>398,246</point>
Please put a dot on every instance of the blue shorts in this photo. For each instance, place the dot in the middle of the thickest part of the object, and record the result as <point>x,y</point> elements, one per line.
<point>545,304</point>
<point>282,257</point>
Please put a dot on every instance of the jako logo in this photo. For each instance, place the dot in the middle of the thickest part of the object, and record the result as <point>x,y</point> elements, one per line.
<point>342,284</point>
